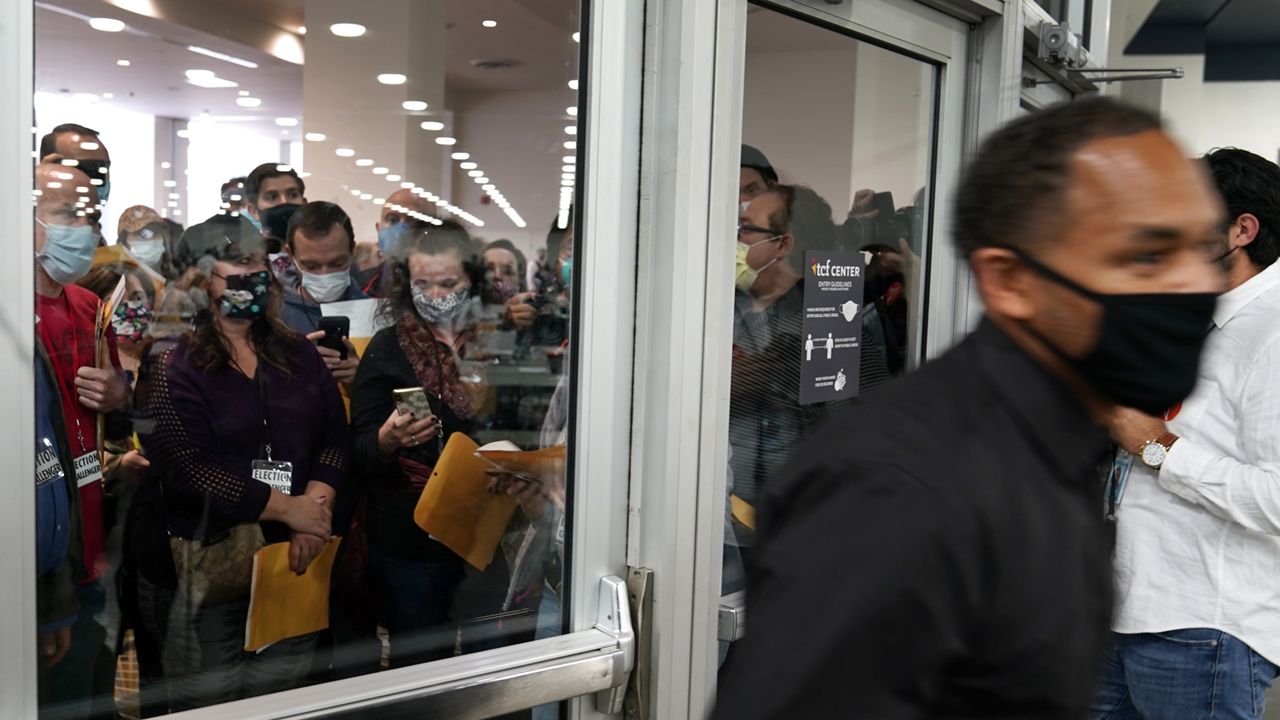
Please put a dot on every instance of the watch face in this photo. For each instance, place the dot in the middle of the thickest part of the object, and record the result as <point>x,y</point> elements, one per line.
<point>1153,454</point>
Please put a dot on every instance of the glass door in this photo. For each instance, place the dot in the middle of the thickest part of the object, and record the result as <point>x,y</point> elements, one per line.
<point>851,118</point>
<point>325,299</point>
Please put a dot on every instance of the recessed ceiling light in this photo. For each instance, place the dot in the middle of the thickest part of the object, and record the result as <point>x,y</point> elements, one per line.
<point>355,193</point>
<point>566,183</point>
<point>461,156</point>
<point>287,121</point>
<point>106,24</point>
<point>364,162</point>
<point>165,165</point>
<point>482,180</point>
<point>446,141</point>
<point>572,111</point>
<point>414,105</point>
<point>406,185</point>
<point>347,30</point>
<point>476,173</point>
<point>567,176</point>
<point>344,152</point>
<point>208,79</point>
<point>248,102</point>
<point>490,187</point>
<point>490,23</point>
<point>577,37</point>
<point>432,125</point>
<point>468,166</point>
<point>170,183</point>
<point>379,170</point>
<point>568,168</point>
<point>393,178</point>
<point>243,93</point>
<point>570,145</point>
<point>366,196</point>
<point>392,78</point>
<point>573,84</point>
<point>123,63</point>
<point>571,130</point>
<point>315,137</point>
<point>302,29</point>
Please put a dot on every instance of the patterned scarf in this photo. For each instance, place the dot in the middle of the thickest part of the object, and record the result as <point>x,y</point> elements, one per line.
<point>436,367</point>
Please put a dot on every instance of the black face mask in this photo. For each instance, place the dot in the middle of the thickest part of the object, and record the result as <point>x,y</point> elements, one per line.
<point>1148,352</point>
<point>275,220</point>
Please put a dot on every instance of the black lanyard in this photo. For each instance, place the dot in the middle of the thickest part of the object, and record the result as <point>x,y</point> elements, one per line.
<point>261,379</point>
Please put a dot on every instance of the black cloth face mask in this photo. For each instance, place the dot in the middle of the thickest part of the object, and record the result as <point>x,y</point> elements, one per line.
<point>1147,356</point>
<point>275,220</point>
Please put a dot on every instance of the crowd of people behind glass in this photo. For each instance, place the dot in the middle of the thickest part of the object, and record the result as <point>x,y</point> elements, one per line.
<point>214,412</point>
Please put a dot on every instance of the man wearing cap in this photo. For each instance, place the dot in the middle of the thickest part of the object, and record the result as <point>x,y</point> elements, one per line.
<point>145,234</point>
<point>755,174</point>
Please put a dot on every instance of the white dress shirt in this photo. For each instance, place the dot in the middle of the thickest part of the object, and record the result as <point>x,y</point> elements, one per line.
<point>1198,544</point>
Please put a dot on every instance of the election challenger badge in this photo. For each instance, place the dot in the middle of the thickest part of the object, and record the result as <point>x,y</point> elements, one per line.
<point>277,475</point>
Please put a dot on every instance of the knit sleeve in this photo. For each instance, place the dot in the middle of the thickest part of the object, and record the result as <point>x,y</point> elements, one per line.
<point>333,456</point>
<point>183,447</point>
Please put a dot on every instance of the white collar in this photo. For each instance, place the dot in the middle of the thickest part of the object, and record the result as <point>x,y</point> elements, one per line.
<point>1235,300</point>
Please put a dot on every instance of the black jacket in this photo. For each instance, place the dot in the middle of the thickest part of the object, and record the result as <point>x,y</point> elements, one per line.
<point>383,369</point>
<point>936,550</point>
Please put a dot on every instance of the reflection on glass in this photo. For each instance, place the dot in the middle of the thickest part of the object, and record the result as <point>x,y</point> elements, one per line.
<point>837,137</point>
<point>303,316</point>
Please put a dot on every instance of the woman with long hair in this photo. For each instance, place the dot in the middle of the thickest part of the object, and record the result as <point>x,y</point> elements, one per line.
<point>247,436</point>
<point>433,282</point>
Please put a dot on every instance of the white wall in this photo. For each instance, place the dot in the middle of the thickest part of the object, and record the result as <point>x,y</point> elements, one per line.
<point>1200,115</point>
<point>841,120</point>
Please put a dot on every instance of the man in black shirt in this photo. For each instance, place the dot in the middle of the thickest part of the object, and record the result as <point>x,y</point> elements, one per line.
<point>938,549</point>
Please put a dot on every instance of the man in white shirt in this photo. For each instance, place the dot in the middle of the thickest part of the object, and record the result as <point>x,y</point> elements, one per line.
<point>1197,558</point>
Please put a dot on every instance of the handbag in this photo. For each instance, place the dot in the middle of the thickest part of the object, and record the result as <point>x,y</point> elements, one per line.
<point>217,570</point>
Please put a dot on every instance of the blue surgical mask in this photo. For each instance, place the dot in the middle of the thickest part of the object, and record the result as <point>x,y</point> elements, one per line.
<point>68,251</point>
<point>255,222</point>
<point>389,236</point>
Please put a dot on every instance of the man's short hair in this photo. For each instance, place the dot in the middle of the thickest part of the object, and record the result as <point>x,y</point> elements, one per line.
<point>1250,184</point>
<point>49,143</point>
<point>267,171</point>
<point>1013,191</point>
<point>235,182</point>
<point>318,218</point>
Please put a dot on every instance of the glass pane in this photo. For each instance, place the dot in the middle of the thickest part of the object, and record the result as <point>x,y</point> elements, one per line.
<point>832,242</point>
<point>311,261</point>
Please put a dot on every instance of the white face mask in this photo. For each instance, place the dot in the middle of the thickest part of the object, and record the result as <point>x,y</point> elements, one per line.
<point>148,252</point>
<point>325,288</point>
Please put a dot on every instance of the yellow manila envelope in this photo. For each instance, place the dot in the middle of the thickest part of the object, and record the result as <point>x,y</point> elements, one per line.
<point>283,604</point>
<point>457,508</point>
<point>531,463</point>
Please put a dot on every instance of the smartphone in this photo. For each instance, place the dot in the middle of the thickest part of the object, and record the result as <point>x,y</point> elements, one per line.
<point>336,328</point>
<point>413,401</point>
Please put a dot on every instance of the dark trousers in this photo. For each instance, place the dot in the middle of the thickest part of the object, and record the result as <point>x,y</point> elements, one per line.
<point>82,685</point>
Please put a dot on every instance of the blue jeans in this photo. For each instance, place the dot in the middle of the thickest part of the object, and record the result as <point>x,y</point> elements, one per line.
<point>414,601</point>
<point>1194,674</point>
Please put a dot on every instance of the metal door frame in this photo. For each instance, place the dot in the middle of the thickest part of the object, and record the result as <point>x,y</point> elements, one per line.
<point>594,659</point>
<point>695,55</point>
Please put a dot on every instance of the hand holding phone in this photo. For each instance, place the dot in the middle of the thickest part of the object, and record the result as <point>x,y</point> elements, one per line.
<point>336,329</point>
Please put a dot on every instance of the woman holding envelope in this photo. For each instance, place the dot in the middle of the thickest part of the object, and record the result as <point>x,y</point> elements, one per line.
<point>433,280</point>
<point>247,435</point>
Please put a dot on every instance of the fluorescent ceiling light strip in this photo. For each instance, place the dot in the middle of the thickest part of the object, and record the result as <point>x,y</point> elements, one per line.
<point>223,57</point>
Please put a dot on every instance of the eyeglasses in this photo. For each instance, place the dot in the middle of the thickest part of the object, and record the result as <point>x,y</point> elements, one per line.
<point>757,230</point>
